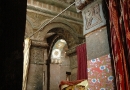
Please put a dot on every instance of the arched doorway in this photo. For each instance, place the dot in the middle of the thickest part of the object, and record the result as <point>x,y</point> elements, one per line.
<point>56,66</point>
<point>40,68</point>
<point>59,65</point>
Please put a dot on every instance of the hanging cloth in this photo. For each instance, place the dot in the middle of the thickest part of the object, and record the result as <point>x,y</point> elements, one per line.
<point>27,44</point>
<point>82,62</point>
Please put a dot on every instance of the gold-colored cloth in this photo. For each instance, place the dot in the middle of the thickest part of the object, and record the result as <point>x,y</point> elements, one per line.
<point>27,44</point>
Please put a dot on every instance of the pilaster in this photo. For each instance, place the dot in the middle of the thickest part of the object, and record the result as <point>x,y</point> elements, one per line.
<point>37,65</point>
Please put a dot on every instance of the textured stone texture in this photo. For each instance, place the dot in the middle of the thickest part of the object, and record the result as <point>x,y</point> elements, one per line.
<point>73,61</point>
<point>44,77</point>
<point>73,66</point>
<point>35,77</point>
<point>58,73</point>
<point>97,43</point>
<point>29,30</point>
<point>54,76</point>
<point>74,74</point>
<point>36,19</point>
<point>71,29</point>
<point>58,3</point>
<point>53,9</point>
<point>37,55</point>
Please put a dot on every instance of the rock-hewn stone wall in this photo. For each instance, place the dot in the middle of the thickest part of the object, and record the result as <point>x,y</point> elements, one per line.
<point>97,43</point>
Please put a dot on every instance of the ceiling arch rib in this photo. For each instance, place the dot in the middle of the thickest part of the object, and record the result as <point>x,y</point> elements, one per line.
<point>66,35</point>
<point>61,27</point>
<point>57,20</point>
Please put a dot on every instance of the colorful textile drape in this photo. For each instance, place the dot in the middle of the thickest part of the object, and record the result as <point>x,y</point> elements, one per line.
<point>100,73</point>
<point>82,62</point>
<point>125,6</point>
<point>120,40</point>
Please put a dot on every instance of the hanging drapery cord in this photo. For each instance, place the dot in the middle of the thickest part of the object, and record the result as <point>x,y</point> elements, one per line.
<point>52,19</point>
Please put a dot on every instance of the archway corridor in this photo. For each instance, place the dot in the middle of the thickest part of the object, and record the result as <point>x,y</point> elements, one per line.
<point>20,19</point>
<point>50,55</point>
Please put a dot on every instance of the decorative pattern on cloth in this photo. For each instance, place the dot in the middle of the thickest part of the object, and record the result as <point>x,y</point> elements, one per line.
<point>119,32</point>
<point>125,8</point>
<point>74,85</point>
<point>100,75</point>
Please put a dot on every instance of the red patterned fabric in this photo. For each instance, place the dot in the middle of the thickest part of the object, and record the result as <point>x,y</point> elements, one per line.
<point>118,35</point>
<point>125,8</point>
<point>100,74</point>
<point>82,61</point>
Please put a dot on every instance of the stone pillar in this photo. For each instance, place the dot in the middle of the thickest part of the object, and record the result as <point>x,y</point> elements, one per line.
<point>94,30</point>
<point>73,62</point>
<point>45,70</point>
<point>36,66</point>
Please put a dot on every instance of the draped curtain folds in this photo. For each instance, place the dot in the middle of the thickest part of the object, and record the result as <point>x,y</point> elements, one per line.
<point>27,44</point>
<point>120,40</point>
<point>82,62</point>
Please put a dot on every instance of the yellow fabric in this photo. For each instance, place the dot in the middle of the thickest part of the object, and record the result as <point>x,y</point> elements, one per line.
<point>70,88</point>
<point>80,88</point>
<point>27,44</point>
<point>64,86</point>
<point>83,83</point>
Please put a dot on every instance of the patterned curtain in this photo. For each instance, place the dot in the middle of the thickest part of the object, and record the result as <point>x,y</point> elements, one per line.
<point>82,62</point>
<point>120,40</point>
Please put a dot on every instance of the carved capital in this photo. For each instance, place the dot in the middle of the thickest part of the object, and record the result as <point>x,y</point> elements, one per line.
<point>93,17</point>
<point>42,44</point>
<point>80,4</point>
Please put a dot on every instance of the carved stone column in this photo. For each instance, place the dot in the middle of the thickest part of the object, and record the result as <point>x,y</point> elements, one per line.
<point>73,62</point>
<point>36,66</point>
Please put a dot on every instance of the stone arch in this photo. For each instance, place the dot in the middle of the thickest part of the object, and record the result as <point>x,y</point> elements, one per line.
<point>58,23</point>
<point>65,23</point>
<point>28,29</point>
<point>59,27</point>
<point>29,21</point>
